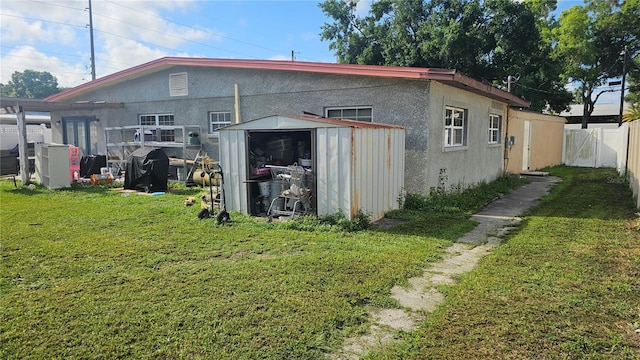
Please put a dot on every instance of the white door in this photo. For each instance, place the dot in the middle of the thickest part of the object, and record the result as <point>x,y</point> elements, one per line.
<point>526,146</point>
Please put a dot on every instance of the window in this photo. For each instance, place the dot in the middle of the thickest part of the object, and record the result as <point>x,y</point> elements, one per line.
<point>495,127</point>
<point>354,113</point>
<point>218,119</point>
<point>159,120</point>
<point>455,127</point>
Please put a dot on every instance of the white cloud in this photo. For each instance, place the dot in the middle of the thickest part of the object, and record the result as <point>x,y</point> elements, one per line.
<point>126,33</point>
<point>280,57</point>
<point>28,58</point>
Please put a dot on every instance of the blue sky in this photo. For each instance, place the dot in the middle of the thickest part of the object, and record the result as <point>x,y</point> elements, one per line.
<point>53,36</point>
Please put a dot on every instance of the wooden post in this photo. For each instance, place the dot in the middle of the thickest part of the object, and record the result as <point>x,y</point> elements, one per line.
<point>237,102</point>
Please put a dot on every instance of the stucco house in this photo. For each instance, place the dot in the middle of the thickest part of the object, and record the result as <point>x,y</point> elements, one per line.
<point>455,125</point>
<point>533,141</point>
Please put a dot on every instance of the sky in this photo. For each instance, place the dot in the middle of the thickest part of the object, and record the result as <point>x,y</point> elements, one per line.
<point>54,36</point>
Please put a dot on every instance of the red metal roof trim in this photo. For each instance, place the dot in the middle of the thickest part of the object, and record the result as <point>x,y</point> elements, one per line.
<point>448,76</point>
<point>335,121</point>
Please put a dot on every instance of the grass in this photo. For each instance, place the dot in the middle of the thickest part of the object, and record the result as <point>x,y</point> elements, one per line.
<point>566,286</point>
<point>89,273</point>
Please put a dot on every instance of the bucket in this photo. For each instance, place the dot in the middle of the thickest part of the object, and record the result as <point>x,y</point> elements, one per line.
<point>265,188</point>
<point>276,188</point>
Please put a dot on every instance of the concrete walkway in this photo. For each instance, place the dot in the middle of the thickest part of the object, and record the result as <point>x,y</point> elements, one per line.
<point>421,296</point>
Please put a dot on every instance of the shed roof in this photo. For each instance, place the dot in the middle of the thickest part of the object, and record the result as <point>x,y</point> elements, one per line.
<point>447,76</point>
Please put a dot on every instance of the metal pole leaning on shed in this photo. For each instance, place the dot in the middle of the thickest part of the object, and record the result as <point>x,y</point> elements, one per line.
<point>22,146</point>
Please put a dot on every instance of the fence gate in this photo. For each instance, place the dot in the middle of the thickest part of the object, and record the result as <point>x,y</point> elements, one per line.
<point>580,147</point>
<point>596,147</point>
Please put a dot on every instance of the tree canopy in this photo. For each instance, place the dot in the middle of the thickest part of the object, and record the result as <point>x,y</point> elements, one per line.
<point>593,41</point>
<point>30,84</point>
<point>491,40</point>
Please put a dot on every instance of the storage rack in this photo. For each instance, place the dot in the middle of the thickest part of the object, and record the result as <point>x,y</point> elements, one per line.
<point>52,165</point>
<point>120,142</point>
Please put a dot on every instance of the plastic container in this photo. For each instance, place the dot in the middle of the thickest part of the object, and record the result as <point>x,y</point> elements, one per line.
<point>304,162</point>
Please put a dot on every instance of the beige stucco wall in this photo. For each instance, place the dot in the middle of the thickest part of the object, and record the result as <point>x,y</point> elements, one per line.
<point>546,137</point>
<point>634,160</point>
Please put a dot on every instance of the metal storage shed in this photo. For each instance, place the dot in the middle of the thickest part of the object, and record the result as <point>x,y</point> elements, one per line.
<point>357,166</point>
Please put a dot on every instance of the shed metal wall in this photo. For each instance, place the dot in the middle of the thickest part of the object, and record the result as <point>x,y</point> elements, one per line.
<point>234,167</point>
<point>334,173</point>
<point>356,168</point>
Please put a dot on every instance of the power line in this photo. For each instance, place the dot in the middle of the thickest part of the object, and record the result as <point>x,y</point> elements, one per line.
<point>169,35</point>
<point>40,51</point>
<point>129,38</point>
<point>42,20</point>
<point>194,28</point>
<point>58,5</point>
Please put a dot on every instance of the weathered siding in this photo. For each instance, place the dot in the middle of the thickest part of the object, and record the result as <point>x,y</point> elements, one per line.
<point>379,170</point>
<point>334,173</point>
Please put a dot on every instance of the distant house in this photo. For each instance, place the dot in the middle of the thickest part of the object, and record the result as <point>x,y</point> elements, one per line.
<point>602,113</point>
<point>455,125</point>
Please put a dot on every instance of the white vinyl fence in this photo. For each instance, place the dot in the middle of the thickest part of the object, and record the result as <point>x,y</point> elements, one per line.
<point>596,147</point>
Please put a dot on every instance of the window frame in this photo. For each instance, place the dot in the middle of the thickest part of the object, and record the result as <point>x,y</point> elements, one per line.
<point>159,120</point>
<point>495,131</point>
<point>212,130</point>
<point>356,117</point>
<point>452,128</point>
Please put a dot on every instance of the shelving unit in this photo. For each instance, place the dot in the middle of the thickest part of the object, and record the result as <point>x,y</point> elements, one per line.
<point>52,165</point>
<point>122,141</point>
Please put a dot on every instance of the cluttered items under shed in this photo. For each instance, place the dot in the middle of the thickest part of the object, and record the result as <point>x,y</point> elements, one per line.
<point>280,173</point>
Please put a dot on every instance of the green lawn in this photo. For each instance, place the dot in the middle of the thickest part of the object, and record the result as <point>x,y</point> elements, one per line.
<point>566,286</point>
<point>90,273</point>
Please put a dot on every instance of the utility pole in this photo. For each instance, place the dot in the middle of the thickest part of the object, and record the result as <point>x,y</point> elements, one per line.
<point>624,75</point>
<point>93,56</point>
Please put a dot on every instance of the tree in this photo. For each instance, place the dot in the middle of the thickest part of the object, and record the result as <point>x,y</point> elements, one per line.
<point>30,84</point>
<point>488,40</point>
<point>589,41</point>
<point>633,91</point>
